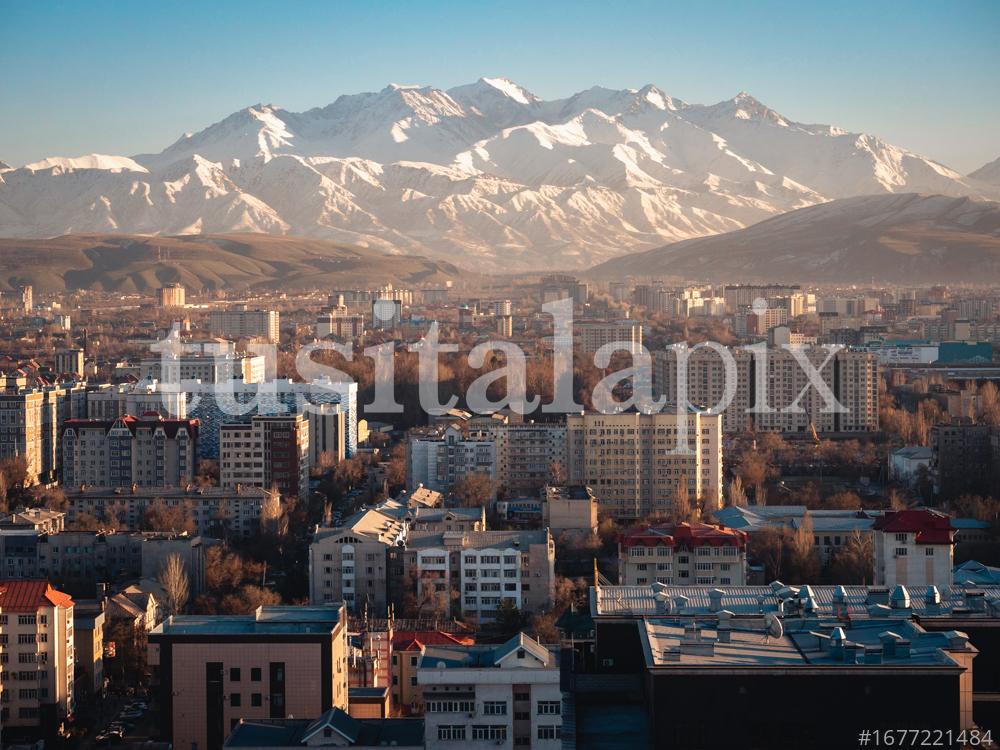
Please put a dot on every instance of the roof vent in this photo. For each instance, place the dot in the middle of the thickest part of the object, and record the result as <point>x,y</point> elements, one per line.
<point>899,598</point>
<point>933,597</point>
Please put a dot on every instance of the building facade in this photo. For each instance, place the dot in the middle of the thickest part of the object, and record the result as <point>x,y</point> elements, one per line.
<point>683,554</point>
<point>268,452</point>
<point>243,323</point>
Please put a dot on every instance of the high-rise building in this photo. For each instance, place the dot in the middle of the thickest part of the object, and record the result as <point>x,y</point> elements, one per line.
<point>341,323</point>
<point>387,314</point>
<point>31,416</point>
<point>962,461</point>
<point>439,456</point>
<point>69,362</point>
<point>105,401</point>
<point>505,326</point>
<point>36,622</point>
<point>636,463</point>
<point>27,299</point>
<point>592,335</point>
<point>239,402</point>
<point>208,368</point>
<point>327,433</point>
<point>851,376</point>
<point>148,451</point>
<point>244,323</point>
<point>172,295</point>
<point>213,671</point>
<point>527,453</point>
<point>269,452</point>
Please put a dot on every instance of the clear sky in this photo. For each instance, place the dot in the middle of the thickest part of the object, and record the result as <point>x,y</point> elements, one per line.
<point>131,77</point>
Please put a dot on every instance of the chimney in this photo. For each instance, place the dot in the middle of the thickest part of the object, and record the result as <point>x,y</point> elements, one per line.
<point>837,639</point>
<point>715,599</point>
<point>933,597</point>
<point>957,640</point>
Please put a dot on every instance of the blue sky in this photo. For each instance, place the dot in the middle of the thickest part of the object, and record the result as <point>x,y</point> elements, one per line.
<point>129,77</point>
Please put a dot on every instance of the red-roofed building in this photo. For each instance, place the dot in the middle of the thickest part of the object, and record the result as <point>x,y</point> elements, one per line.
<point>914,548</point>
<point>407,648</point>
<point>36,652</point>
<point>682,554</point>
<point>149,451</point>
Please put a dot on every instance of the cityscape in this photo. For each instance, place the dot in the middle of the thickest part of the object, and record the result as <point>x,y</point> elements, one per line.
<point>457,417</point>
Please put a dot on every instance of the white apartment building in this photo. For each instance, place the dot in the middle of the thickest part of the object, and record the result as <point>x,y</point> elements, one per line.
<point>242,323</point>
<point>208,368</point>
<point>107,401</point>
<point>36,643</point>
<point>146,451</point>
<point>635,463</point>
<point>914,548</point>
<point>503,696</point>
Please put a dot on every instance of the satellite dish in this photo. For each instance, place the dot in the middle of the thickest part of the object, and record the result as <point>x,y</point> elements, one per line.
<point>773,626</point>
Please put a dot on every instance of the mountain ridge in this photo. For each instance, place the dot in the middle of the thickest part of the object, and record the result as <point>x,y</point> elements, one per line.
<point>487,172</point>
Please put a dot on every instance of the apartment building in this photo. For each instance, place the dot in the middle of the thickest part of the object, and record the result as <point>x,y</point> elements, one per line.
<point>590,336</point>
<point>438,456</point>
<point>211,672</point>
<point>471,573</point>
<point>569,508</point>
<point>106,401</point>
<point>36,646</point>
<point>914,548</point>
<point>683,554</point>
<point>635,462</point>
<point>327,433</point>
<point>851,376</point>
<point>149,451</point>
<point>738,296</point>
<point>69,362</point>
<point>88,646</point>
<point>962,460</point>
<point>241,323</point>
<point>208,368</point>
<point>240,402</point>
<point>350,563</point>
<point>268,452</point>
<point>42,520</point>
<point>504,696</point>
<point>31,416</point>
<point>527,453</point>
<point>216,511</point>
<point>341,323</point>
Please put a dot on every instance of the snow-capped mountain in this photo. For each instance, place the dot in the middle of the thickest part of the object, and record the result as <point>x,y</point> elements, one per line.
<point>487,174</point>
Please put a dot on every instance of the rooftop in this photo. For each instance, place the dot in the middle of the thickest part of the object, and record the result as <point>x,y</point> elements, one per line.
<point>27,595</point>
<point>296,732</point>
<point>683,534</point>
<point>267,620</point>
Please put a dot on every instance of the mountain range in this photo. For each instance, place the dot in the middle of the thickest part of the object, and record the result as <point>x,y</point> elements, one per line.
<point>900,238</point>
<point>485,175</point>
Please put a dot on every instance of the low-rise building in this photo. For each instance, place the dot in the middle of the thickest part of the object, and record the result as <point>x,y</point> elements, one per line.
<point>570,508</point>
<point>281,661</point>
<point>683,554</point>
<point>335,728</point>
<point>914,548</point>
<point>506,696</point>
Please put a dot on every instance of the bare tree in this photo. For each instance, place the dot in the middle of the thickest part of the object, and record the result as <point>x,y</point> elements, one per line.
<point>174,579</point>
<point>737,496</point>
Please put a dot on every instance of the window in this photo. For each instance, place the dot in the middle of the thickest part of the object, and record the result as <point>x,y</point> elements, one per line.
<point>549,708</point>
<point>900,551</point>
<point>235,700</point>
<point>25,619</point>
<point>549,732</point>
<point>900,537</point>
<point>489,732</point>
<point>255,674</point>
<point>256,700</point>
<point>450,707</point>
<point>495,708</point>
<point>929,551</point>
<point>451,732</point>
<point>234,674</point>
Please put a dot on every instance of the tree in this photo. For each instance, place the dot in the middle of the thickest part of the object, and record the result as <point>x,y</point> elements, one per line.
<point>247,599</point>
<point>474,490</point>
<point>682,510</point>
<point>349,472</point>
<point>753,471</point>
<point>737,496</point>
<point>509,618</point>
<point>174,579</point>
<point>803,560</point>
<point>84,521</point>
<point>160,516</point>
<point>768,547</point>
<point>854,562</point>
<point>273,517</point>
<point>15,471</point>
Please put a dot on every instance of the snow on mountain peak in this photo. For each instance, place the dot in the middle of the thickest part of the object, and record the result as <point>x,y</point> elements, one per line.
<point>486,171</point>
<point>510,89</point>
